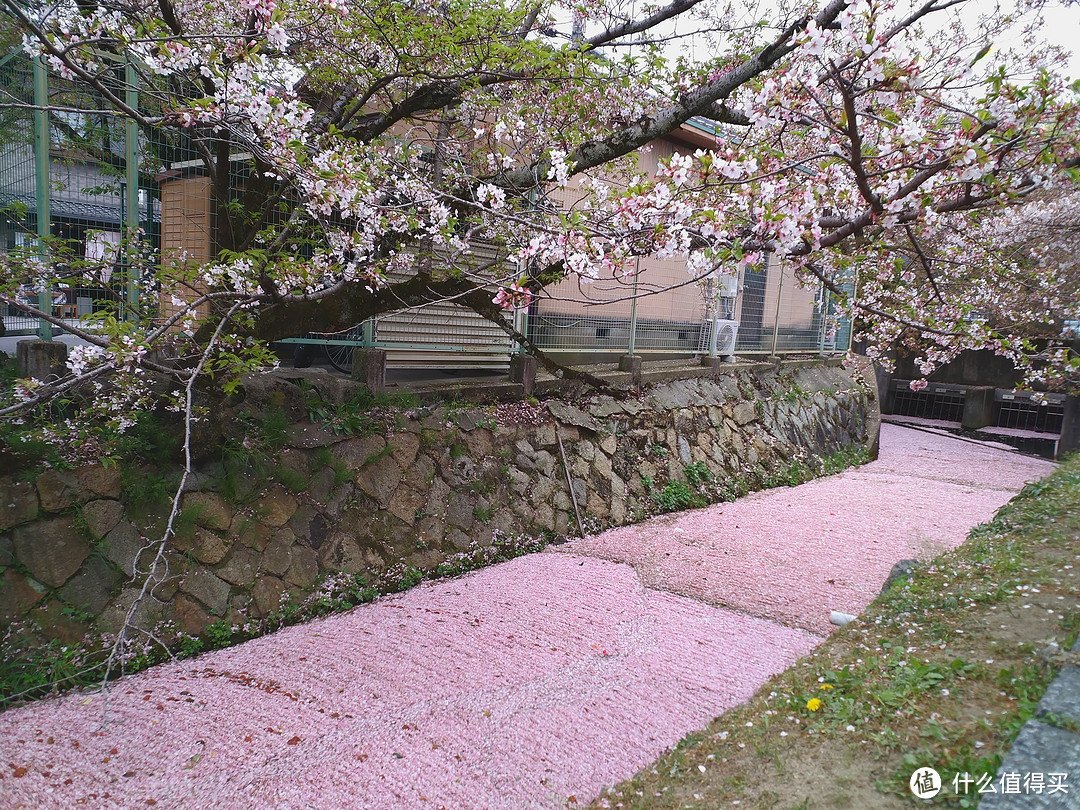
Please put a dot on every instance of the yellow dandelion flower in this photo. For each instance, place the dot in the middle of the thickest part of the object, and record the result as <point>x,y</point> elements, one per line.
<point>813,704</point>
<point>825,686</point>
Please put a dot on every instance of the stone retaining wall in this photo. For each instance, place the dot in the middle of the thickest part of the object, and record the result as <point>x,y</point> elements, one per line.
<point>426,484</point>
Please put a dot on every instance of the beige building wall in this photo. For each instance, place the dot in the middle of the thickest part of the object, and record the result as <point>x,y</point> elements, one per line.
<point>662,290</point>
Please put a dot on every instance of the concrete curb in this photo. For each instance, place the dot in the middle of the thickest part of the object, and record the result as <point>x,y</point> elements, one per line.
<point>1042,748</point>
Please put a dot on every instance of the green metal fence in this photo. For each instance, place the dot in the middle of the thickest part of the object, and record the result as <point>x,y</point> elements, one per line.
<point>71,195</point>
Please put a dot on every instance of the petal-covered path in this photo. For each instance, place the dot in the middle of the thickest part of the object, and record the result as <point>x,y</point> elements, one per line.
<point>521,685</point>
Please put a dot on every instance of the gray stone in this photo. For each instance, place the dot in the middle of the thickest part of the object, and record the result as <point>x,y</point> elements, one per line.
<point>190,616</point>
<point>59,489</point>
<point>460,510</point>
<point>304,569</point>
<point>406,503</point>
<point>54,619</point>
<point>543,515</point>
<point>684,421</point>
<point>1062,697</point>
<point>1038,748</point>
<point>298,463</point>
<point>457,540</point>
<point>602,467</point>
<point>744,413</point>
<point>403,447</point>
<point>581,491</point>
<point>421,474</point>
<point>17,594</point>
<point>250,532</point>
<point>266,595</point>
<point>148,615</point>
<point>562,523</point>
<point>519,481</point>
<point>300,524</point>
<point>52,550</point>
<point>684,451</point>
<point>504,522</point>
<point>379,480</point>
<point>310,436</point>
<point>545,462</point>
<point>18,503</point>
<point>7,550</point>
<point>544,434</point>
<point>562,500</point>
<point>618,509</point>
<point>596,507</point>
<point>569,415</point>
<point>124,545</point>
<point>479,443</point>
<point>902,570</point>
<point>277,558</point>
<point>321,484</point>
<point>618,485</point>
<point>203,545</point>
<point>208,589</point>
<point>209,509</point>
<point>716,416</point>
<point>431,530</point>
<point>609,444</point>
<point>240,567</point>
<point>438,493</point>
<point>93,586</point>
<point>369,367</point>
<point>344,553</point>
<point>543,488</point>
<point>605,408</point>
<point>585,449</point>
<point>355,453</point>
<point>41,359</point>
<point>102,516</point>
<point>275,507</point>
<point>523,372</point>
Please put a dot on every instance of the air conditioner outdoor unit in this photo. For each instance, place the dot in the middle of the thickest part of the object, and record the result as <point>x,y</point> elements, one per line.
<point>723,337</point>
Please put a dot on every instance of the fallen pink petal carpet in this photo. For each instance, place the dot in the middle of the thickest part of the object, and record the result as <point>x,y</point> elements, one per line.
<point>521,685</point>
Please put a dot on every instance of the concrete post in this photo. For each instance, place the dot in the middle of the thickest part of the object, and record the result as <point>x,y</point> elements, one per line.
<point>41,359</point>
<point>631,363</point>
<point>302,355</point>
<point>714,362</point>
<point>523,371</point>
<point>883,379</point>
<point>980,408</point>
<point>369,368</point>
<point>1069,442</point>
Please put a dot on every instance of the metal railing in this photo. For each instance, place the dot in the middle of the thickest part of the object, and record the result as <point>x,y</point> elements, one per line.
<point>770,312</point>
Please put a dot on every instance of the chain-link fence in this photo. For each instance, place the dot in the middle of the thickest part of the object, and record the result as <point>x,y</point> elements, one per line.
<point>71,195</point>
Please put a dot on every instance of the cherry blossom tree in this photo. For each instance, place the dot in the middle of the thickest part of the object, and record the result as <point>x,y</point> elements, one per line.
<point>359,153</point>
<point>862,141</point>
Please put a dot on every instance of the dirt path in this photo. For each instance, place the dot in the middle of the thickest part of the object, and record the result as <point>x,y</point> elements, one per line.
<point>529,684</point>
